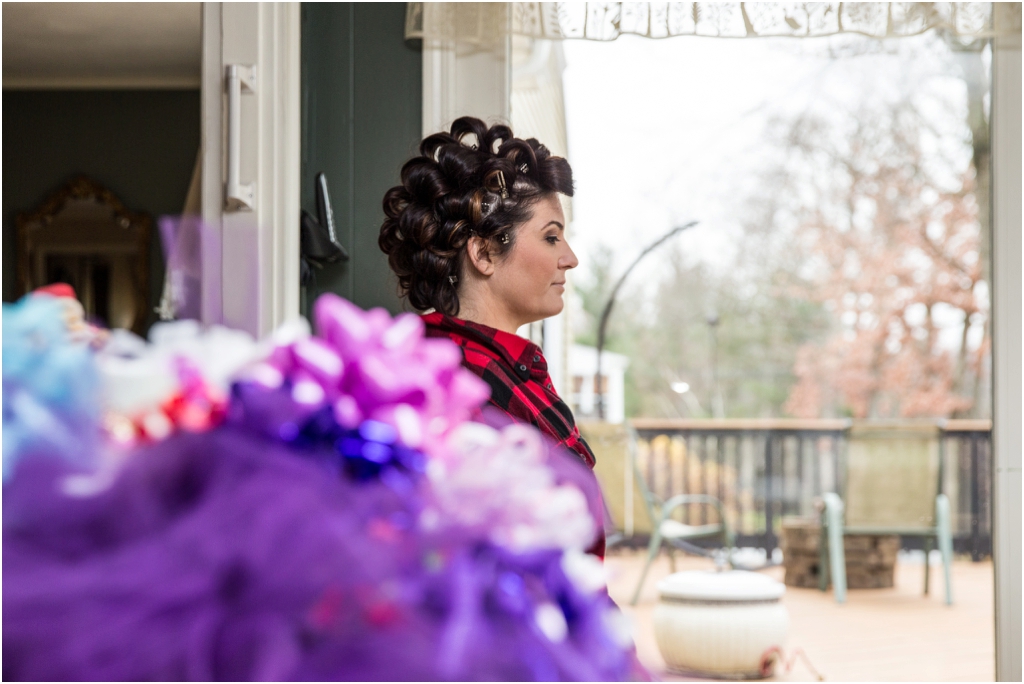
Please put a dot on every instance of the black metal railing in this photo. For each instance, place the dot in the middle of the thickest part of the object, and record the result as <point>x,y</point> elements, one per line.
<point>763,470</point>
<point>968,453</point>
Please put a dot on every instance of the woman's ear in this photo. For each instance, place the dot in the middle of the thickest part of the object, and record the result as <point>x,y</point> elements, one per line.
<point>479,253</point>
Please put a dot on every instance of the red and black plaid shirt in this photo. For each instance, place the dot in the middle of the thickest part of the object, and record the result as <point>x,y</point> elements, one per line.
<point>518,376</point>
<point>520,385</point>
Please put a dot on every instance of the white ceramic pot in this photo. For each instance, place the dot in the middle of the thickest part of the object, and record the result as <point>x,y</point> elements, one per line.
<point>720,623</point>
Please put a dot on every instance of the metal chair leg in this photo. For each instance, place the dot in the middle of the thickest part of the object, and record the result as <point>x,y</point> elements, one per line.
<point>837,557</point>
<point>823,568</point>
<point>945,534</point>
<point>652,553</point>
<point>927,564</point>
<point>672,559</point>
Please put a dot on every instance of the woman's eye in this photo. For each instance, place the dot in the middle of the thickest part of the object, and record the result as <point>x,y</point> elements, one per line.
<point>552,239</point>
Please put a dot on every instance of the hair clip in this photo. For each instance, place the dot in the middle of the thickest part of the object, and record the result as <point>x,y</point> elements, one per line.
<point>501,185</point>
<point>504,238</point>
<point>524,168</point>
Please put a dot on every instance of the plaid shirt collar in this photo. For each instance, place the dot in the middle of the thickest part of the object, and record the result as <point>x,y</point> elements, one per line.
<point>524,356</point>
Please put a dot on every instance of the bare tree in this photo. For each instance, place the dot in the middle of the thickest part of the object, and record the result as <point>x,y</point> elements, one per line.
<point>891,229</point>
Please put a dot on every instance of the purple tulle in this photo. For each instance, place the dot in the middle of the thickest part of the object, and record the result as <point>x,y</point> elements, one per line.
<point>343,522</point>
<point>226,555</point>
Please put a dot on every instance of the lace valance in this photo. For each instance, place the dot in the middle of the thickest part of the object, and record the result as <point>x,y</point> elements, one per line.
<point>482,23</point>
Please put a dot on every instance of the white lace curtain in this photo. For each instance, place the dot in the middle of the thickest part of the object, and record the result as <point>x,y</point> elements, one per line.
<point>481,24</point>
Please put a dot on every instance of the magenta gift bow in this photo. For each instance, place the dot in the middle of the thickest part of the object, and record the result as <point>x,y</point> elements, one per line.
<point>366,365</point>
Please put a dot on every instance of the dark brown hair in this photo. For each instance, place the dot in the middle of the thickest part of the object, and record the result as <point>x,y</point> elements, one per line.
<point>453,191</point>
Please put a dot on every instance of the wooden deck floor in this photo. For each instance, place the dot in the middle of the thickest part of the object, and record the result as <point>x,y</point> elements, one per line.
<point>878,635</point>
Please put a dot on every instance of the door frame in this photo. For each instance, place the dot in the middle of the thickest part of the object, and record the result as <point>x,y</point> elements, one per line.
<point>1006,341</point>
<point>251,257</point>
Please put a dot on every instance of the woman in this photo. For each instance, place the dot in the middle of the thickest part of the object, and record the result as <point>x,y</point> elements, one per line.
<point>476,234</point>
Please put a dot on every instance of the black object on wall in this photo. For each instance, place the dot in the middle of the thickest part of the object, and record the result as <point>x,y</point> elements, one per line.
<point>318,237</point>
<point>361,114</point>
<point>141,144</point>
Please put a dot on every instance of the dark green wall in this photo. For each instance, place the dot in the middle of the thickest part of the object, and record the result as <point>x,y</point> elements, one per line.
<point>141,144</point>
<point>361,104</point>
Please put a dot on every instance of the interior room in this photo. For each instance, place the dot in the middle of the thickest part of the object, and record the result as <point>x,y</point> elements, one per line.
<point>109,94</point>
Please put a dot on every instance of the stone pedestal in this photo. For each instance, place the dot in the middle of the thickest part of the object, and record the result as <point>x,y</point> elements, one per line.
<point>870,559</point>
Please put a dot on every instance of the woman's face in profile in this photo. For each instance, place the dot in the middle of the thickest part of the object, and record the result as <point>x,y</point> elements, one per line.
<point>531,277</point>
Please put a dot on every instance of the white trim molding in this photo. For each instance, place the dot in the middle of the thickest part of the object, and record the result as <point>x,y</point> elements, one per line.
<point>1006,348</point>
<point>251,269</point>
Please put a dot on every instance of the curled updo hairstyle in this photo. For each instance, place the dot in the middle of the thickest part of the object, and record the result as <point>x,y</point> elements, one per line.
<point>473,181</point>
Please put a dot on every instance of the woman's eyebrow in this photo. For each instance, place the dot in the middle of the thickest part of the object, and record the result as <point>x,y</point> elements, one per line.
<point>553,223</point>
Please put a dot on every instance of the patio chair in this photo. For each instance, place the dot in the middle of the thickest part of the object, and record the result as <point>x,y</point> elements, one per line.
<point>625,490</point>
<point>893,486</point>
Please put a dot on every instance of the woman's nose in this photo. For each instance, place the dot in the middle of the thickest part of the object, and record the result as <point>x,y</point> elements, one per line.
<point>569,260</point>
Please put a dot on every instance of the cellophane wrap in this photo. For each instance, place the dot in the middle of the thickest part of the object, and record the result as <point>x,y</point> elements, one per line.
<point>329,507</point>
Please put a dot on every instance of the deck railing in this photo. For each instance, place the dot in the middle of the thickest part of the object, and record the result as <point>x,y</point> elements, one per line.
<point>764,469</point>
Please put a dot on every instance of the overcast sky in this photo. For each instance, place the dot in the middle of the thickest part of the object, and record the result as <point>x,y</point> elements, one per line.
<point>669,130</point>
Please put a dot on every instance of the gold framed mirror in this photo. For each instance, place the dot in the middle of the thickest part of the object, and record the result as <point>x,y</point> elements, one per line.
<point>84,236</point>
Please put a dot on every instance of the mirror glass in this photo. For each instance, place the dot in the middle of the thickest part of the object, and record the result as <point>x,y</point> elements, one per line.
<point>84,236</point>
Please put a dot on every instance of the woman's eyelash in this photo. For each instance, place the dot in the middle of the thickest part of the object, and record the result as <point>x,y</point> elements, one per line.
<point>552,239</point>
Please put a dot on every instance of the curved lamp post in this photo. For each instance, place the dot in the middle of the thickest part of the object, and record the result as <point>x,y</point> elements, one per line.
<point>717,405</point>
<point>606,313</point>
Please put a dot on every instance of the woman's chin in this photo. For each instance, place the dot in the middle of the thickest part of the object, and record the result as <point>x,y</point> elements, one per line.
<point>548,307</point>
<point>554,307</point>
